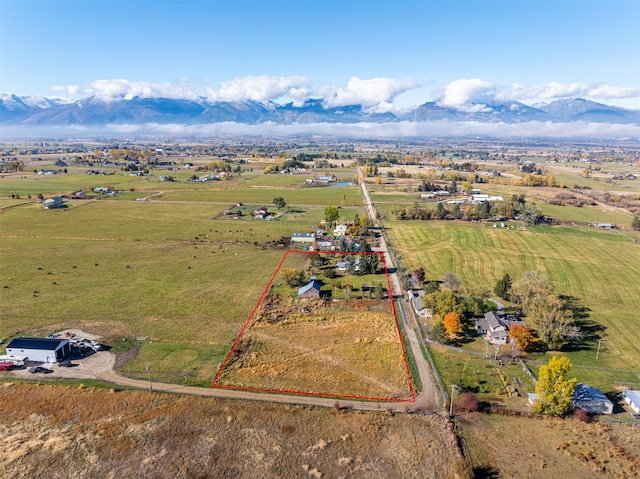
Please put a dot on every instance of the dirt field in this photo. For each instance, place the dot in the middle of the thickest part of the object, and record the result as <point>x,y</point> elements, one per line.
<point>550,448</point>
<point>61,432</point>
<point>350,348</point>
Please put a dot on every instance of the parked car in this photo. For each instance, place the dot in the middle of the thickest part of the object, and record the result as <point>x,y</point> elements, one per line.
<point>65,364</point>
<point>40,369</point>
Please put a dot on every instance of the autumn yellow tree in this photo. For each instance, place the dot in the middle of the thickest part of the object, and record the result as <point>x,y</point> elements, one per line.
<point>555,392</point>
<point>452,324</point>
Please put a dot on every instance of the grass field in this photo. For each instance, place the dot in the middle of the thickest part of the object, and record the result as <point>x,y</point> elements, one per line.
<point>124,269</point>
<point>504,447</point>
<point>600,269</point>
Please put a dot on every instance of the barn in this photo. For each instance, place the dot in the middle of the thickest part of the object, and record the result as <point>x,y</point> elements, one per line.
<point>39,349</point>
<point>311,290</point>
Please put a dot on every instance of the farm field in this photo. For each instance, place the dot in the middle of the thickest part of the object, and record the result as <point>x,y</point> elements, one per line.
<point>181,275</point>
<point>349,348</point>
<point>599,269</point>
<point>91,432</point>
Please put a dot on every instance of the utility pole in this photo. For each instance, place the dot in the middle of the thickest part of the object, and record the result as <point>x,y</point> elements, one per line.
<point>149,376</point>
<point>453,387</point>
<point>598,352</point>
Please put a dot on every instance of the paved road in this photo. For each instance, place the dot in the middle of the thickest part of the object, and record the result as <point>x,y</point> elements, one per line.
<point>428,397</point>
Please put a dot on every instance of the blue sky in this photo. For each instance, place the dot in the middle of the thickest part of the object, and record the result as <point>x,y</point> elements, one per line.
<point>383,54</point>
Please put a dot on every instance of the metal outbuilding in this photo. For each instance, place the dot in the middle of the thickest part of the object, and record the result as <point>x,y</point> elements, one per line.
<point>632,398</point>
<point>591,400</point>
<point>40,349</point>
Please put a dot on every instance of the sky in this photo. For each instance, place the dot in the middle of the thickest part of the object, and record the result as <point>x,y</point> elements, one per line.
<point>385,55</point>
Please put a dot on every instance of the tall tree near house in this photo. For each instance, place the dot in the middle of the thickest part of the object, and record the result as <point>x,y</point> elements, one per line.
<point>554,323</point>
<point>554,390</point>
<point>369,263</point>
<point>452,324</point>
<point>522,335</point>
<point>419,274</point>
<point>279,202</point>
<point>450,281</point>
<point>503,287</point>
<point>331,214</point>
<point>292,276</point>
<point>347,290</point>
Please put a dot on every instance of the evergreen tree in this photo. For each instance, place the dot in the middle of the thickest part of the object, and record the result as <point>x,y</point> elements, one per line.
<point>503,287</point>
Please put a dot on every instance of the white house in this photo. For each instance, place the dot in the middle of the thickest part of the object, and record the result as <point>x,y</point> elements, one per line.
<point>340,230</point>
<point>496,328</point>
<point>40,349</point>
<point>632,398</point>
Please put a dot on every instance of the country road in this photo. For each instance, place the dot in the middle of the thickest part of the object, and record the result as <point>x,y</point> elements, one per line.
<point>428,397</point>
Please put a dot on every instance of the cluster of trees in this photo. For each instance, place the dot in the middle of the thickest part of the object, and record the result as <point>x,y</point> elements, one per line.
<point>635,224</point>
<point>370,170</point>
<point>12,166</point>
<point>517,207</point>
<point>539,180</point>
<point>550,313</point>
<point>453,306</point>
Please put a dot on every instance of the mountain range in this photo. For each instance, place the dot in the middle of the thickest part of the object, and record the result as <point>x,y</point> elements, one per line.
<point>94,111</point>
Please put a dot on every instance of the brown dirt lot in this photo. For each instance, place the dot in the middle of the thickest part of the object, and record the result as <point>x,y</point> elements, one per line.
<point>542,448</point>
<point>59,432</point>
<point>348,350</point>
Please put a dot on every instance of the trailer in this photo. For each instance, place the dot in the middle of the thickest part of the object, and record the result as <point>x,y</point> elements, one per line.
<point>14,360</point>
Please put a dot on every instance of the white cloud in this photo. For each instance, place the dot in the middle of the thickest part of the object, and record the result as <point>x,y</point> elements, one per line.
<point>462,93</point>
<point>119,88</point>
<point>554,90</point>
<point>68,89</point>
<point>375,93</point>
<point>261,88</point>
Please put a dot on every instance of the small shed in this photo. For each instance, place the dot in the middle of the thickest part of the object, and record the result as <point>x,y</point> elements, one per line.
<point>40,349</point>
<point>303,237</point>
<point>311,290</point>
<point>591,400</point>
<point>632,398</point>
<point>53,202</point>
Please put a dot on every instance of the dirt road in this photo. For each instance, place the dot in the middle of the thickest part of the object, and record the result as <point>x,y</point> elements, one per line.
<point>428,397</point>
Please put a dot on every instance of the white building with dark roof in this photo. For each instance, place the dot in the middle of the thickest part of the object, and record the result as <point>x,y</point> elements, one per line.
<point>40,349</point>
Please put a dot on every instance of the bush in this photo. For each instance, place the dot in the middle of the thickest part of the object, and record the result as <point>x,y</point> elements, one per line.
<point>468,401</point>
<point>581,415</point>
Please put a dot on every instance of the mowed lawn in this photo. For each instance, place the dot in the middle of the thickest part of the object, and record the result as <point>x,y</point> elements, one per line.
<point>601,269</point>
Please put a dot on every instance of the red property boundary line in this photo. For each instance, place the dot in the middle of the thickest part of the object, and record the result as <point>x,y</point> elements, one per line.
<point>309,393</point>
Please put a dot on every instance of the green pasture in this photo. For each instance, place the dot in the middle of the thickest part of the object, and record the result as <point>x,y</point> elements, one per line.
<point>188,363</point>
<point>586,214</point>
<point>600,269</point>
<point>301,196</point>
<point>476,374</point>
